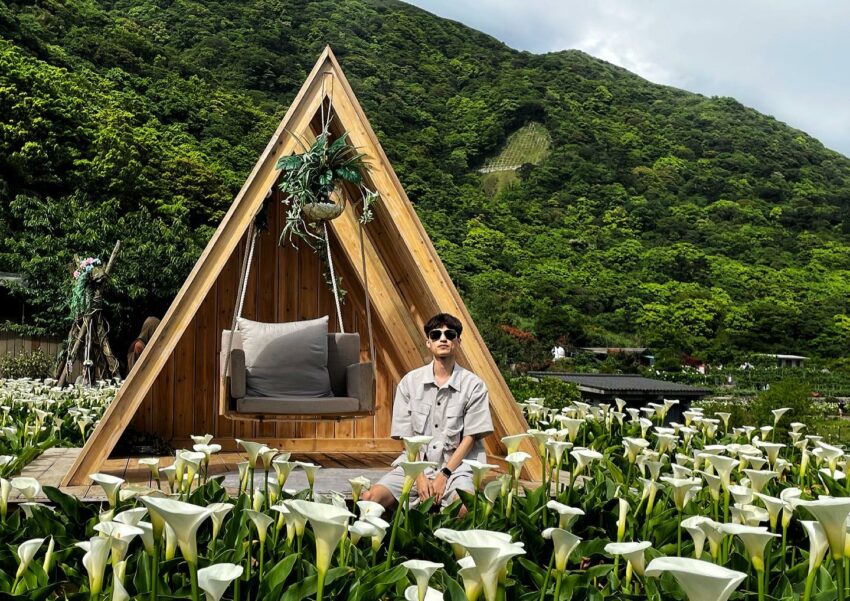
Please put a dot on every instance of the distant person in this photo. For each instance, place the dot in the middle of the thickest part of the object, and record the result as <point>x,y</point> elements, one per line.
<point>140,342</point>
<point>558,352</point>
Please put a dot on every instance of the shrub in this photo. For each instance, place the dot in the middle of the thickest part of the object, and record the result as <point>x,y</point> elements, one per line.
<point>792,393</point>
<point>789,392</point>
<point>35,364</point>
<point>554,392</point>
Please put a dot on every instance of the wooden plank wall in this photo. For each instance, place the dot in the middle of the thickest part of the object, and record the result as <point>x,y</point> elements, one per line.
<point>284,285</point>
<point>16,344</point>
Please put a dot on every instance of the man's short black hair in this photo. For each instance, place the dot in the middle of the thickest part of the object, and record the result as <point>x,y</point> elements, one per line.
<point>443,319</point>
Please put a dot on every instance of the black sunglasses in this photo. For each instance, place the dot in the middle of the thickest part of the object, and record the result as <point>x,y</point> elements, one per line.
<point>435,335</point>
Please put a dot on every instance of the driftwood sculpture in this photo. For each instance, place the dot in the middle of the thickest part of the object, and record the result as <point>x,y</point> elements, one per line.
<point>88,340</point>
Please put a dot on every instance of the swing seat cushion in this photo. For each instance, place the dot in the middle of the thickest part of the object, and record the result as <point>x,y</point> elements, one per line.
<point>285,360</point>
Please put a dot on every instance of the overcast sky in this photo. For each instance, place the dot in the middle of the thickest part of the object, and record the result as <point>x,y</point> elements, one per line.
<point>786,58</point>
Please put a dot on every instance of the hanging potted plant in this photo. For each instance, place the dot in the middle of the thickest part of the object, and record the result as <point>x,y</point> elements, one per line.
<point>309,180</point>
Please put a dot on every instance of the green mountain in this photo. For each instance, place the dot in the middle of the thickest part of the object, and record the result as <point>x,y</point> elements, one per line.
<point>658,216</point>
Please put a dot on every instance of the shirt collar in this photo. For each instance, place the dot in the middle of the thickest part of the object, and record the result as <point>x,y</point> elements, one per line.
<point>454,379</point>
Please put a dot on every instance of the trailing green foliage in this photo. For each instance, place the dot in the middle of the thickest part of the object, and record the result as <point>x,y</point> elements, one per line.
<point>686,223</point>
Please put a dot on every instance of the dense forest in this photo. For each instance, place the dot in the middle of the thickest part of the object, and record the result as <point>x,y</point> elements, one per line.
<point>659,217</point>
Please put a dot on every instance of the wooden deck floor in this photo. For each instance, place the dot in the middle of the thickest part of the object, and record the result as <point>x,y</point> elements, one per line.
<point>336,470</point>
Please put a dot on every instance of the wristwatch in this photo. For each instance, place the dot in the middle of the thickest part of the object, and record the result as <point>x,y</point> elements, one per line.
<point>446,471</point>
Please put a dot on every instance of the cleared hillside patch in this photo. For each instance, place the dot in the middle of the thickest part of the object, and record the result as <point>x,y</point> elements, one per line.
<point>529,144</point>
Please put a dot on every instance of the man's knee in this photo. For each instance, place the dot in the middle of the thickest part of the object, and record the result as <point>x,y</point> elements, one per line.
<point>379,494</point>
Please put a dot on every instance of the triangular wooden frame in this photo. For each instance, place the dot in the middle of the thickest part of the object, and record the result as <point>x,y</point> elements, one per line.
<point>402,315</point>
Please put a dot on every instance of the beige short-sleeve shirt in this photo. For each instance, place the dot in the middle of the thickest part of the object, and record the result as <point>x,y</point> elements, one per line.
<point>461,407</point>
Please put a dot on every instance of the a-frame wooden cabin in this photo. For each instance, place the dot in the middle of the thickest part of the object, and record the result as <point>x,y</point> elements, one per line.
<point>173,389</point>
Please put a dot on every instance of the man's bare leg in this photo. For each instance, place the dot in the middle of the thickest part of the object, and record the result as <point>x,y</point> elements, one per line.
<point>380,494</point>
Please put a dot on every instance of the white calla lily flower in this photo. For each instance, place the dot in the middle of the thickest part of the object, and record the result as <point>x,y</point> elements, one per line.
<point>683,489</point>
<point>701,580</point>
<point>94,561</point>
<point>362,529</point>
<point>131,517</point>
<point>831,513</point>
<point>329,524</point>
<point>5,491</point>
<point>565,543</point>
<point>818,543</point>
<point>694,526</point>
<point>634,447</point>
<point>566,514</point>
<point>282,468</point>
<point>490,551</point>
<point>358,484</point>
<point>261,522</point>
<point>755,538</point>
<point>478,471</point>
<point>215,579</point>
<point>203,440</point>
<point>723,466</point>
<point>253,449</point>
<point>26,551</point>
<point>411,593</point>
<point>633,552</point>
<point>27,486</point>
<point>413,444</point>
<point>584,457</point>
<point>219,512</point>
<point>310,470</point>
<point>472,584</point>
<point>368,508</point>
<point>422,571</point>
<point>512,442</point>
<point>183,518</point>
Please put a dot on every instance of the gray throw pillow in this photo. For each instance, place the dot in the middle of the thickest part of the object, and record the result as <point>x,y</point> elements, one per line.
<point>286,359</point>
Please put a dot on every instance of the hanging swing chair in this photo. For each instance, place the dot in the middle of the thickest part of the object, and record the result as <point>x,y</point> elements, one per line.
<point>352,382</point>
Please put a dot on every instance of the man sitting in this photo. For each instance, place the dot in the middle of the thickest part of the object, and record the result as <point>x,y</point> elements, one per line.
<point>448,402</point>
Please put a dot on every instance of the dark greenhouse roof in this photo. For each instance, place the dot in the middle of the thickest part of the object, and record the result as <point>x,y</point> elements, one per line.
<point>622,383</point>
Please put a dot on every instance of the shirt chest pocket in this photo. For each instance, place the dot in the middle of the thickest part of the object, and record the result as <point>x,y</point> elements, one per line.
<point>454,424</point>
<point>419,419</point>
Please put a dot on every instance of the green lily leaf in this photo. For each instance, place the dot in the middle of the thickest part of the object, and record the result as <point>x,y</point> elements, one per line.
<point>274,578</point>
<point>69,506</point>
<point>307,587</point>
<point>453,591</point>
<point>376,582</point>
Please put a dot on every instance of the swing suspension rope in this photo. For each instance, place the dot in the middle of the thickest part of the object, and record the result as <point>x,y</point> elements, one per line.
<point>333,278</point>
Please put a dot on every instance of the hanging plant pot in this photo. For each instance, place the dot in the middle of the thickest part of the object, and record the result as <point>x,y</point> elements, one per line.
<point>323,211</point>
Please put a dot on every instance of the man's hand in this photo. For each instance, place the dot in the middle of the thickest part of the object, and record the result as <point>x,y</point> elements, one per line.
<point>424,487</point>
<point>438,487</point>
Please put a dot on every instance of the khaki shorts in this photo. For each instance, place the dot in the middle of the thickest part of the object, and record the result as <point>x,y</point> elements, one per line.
<point>394,480</point>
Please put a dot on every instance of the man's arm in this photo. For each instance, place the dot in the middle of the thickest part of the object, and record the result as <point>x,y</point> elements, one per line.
<point>401,425</point>
<point>438,486</point>
<point>477,424</point>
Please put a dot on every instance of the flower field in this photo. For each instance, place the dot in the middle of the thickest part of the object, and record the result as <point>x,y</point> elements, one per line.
<point>635,509</point>
<point>37,415</point>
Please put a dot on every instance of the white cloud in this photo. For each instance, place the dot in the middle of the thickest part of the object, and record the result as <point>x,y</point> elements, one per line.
<point>782,57</point>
